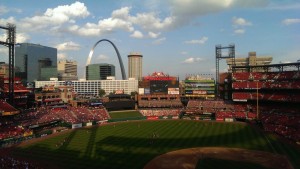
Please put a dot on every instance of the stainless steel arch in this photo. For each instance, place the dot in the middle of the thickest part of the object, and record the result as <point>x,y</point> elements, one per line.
<point>116,49</point>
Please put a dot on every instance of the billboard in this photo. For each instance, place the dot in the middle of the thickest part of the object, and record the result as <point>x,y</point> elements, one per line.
<point>173,84</point>
<point>121,91</point>
<point>141,91</point>
<point>78,125</point>
<point>159,87</point>
<point>152,118</point>
<point>173,90</point>
<point>147,91</point>
<point>199,92</point>
<point>89,124</point>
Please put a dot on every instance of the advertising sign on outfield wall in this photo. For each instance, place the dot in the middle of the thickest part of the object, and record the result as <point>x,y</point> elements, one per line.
<point>152,118</point>
<point>89,124</point>
<point>74,126</point>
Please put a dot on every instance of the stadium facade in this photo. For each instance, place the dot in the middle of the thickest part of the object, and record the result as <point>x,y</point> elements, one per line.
<point>31,58</point>
<point>251,60</point>
<point>91,87</point>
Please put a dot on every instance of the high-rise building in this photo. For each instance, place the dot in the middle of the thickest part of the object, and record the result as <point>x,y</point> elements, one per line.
<point>48,72</point>
<point>135,65</point>
<point>67,70</point>
<point>99,71</point>
<point>31,58</point>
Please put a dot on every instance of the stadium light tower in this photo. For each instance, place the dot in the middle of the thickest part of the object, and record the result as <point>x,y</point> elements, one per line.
<point>219,56</point>
<point>10,43</point>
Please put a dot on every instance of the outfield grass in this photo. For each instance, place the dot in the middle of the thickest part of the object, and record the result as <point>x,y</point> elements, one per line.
<point>124,114</point>
<point>210,163</point>
<point>129,145</point>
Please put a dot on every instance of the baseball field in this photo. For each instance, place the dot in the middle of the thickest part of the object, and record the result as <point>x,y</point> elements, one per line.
<point>134,144</point>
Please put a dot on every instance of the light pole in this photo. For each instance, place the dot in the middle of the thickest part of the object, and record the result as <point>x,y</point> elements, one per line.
<point>257,113</point>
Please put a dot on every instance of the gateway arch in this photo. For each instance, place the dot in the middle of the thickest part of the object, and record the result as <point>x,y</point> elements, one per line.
<point>118,54</point>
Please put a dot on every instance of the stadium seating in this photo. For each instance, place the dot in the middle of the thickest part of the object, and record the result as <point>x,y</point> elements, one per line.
<point>241,76</point>
<point>4,106</point>
<point>160,112</point>
<point>10,162</point>
<point>283,123</point>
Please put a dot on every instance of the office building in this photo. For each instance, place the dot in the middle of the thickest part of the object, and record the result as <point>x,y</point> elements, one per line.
<point>135,65</point>
<point>67,70</point>
<point>91,87</point>
<point>48,72</point>
<point>31,58</point>
<point>99,71</point>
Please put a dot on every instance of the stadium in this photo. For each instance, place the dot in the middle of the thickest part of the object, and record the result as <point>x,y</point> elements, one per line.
<point>257,126</point>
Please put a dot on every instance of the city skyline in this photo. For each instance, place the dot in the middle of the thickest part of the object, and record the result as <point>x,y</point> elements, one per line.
<point>175,37</point>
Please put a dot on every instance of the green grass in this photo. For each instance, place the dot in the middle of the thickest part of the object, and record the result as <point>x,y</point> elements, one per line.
<point>210,163</point>
<point>128,144</point>
<point>124,114</point>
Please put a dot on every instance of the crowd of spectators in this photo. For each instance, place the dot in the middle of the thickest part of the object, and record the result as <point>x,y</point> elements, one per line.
<point>9,162</point>
<point>18,125</point>
<point>160,112</point>
<point>275,96</point>
<point>281,121</point>
<point>287,75</point>
<point>160,103</point>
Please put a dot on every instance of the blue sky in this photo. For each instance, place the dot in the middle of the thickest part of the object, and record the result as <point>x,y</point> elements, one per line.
<point>177,37</point>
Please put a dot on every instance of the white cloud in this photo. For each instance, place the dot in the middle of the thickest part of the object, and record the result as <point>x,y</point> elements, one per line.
<point>68,46</point>
<point>239,25</point>
<point>22,37</point>
<point>152,22</point>
<point>239,31</point>
<point>153,35</point>
<point>3,9</point>
<point>291,21</point>
<point>185,11</point>
<point>102,57</point>
<point>11,20</point>
<point>159,41</point>
<point>61,56</point>
<point>192,60</point>
<point>238,22</point>
<point>200,41</point>
<point>184,53</point>
<point>55,16</point>
<point>4,50</point>
<point>284,6</point>
<point>137,34</point>
<point>118,21</point>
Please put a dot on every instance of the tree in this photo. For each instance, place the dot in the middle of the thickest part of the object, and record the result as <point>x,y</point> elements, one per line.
<point>101,92</point>
<point>133,94</point>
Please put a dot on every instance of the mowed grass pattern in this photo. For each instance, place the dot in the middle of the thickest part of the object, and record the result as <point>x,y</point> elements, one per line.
<point>125,114</point>
<point>129,144</point>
